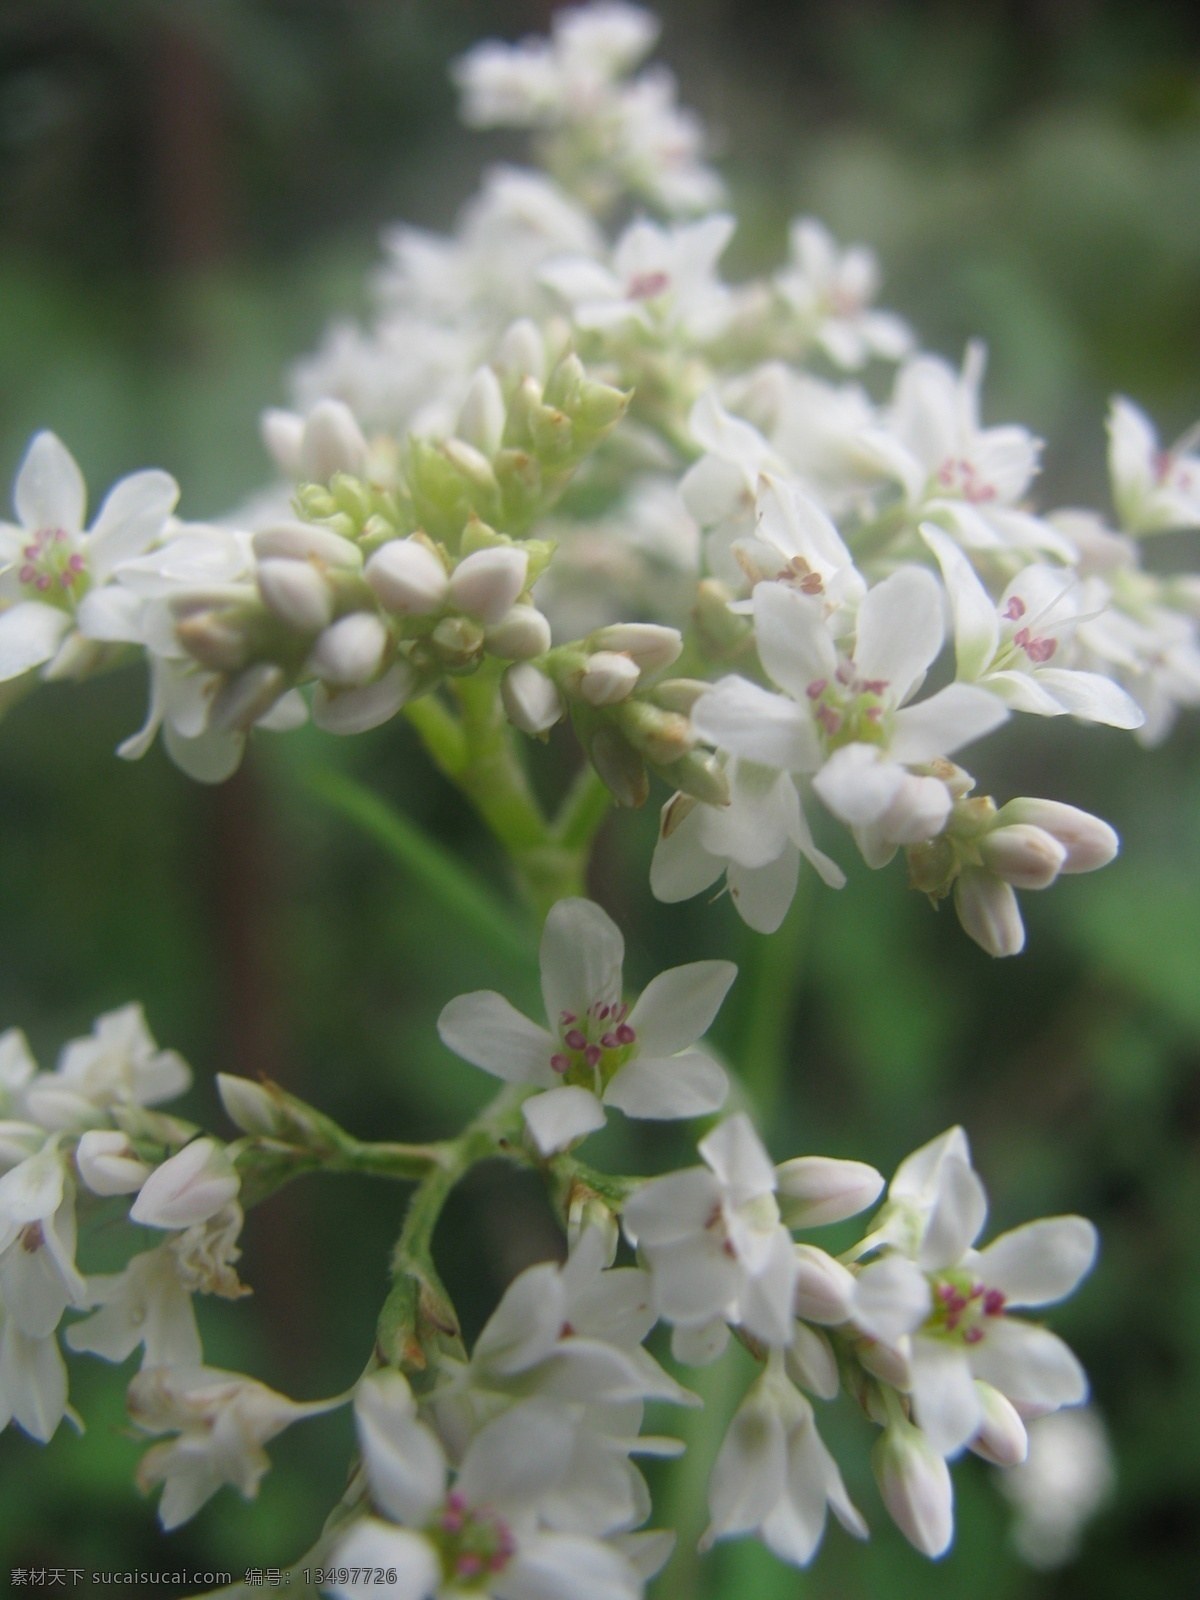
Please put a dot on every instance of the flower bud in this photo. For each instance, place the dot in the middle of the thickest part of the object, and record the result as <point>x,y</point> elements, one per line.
<point>241,701</point>
<point>663,737</point>
<point>531,699</point>
<point>472,466</point>
<point>332,442</point>
<point>190,1187</point>
<point>1088,841</point>
<point>608,678</point>
<point>701,777</point>
<point>1001,1439</point>
<point>283,434</point>
<point>250,1106</point>
<point>652,647</point>
<point>481,420</point>
<point>1025,856</point>
<point>815,1190</point>
<point>521,633</point>
<point>359,710</point>
<point>408,577</point>
<point>521,353</point>
<point>108,1163</point>
<point>680,694</point>
<point>915,1484</point>
<point>811,1362</point>
<point>305,541</point>
<point>988,911</point>
<point>486,584</point>
<point>217,639</point>
<point>457,643</point>
<point>296,593</point>
<point>621,769</point>
<point>918,811</point>
<point>350,652</point>
<point>824,1287</point>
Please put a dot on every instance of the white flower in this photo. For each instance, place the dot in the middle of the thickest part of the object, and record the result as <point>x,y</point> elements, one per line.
<point>1006,645</point>
<point>662,280</point>
<point>756,841</point>
<point>714,1243</point>
<point>936,1210</point>
<point>773,1475</point>
<point>1068,1477</point>
<point>49,563</point>
<point>830,292</point>
<point>38,1276</point>
<point>221,1419</point>
<point>846,718</point>
<point>600,1053</point>
<point>1153,489</point>
<point>966,477</point>
<point>147,1305</point>
<point>481,1536</point>
<point>118,1064</point>
<point>33,1380</point>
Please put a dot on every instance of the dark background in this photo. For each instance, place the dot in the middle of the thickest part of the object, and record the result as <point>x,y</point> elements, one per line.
<point>187,193</point>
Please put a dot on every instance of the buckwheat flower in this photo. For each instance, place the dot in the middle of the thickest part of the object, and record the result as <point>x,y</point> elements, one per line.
<point>714,1243</point>
<point>1068,1477</point>
<point>1007,646</point>
<point>830,292</point>
<point>118,1064</point>
<point>662,280</point>
<point>969,479</point>
<point>48,562</point>
<point>774,1476</point>
<point>658,145</point>
<point>721,488</point>
<point>221,1421</point>
<point>38,1276</point>
<point>935,1215</point>
<point>796,543</point>
<point>756,841</point>
<point>845,717</point>
<point>598,1051</point>
<point>190,1187</point>
<point>1153,489</point>
<point>145,1305</point>
<point>33,1380</point>
<point>479,1534</point>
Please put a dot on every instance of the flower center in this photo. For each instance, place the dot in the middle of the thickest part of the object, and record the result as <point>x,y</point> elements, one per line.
<point>647,285</point>
<point>473,1543</point>
<point>1038,647</point>
<point>594,1045</point>
<point>849,709</point>
<point>962,477</point>
<point>51,569</point>
<point>962,1306</point>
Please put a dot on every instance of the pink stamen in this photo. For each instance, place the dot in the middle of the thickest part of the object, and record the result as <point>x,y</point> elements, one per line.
<point>28,574</point>
<point>1015,609</point>
<point>1041,649</point>
<point>468,1565</point>
<point>76,563</point>
<point>972,1335</point>
<point>560,1063</point>
<point>645,285</point>
<point>874,685</point>
<point>32,551</point>
<point>592,1055</point>
<point>993,1303</point>
<point>829,719</point>
<point>42,583</point>
<point>575,1040</point>
<point>625,1034</point>
<point>817,688</point>
<point>567,1018</point>
<point>609,1041</point>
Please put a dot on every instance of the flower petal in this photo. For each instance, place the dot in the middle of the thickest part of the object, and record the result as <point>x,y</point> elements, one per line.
<point>677,1008</point>
<point>946,721</point>
<point>976,625</point>
<point>793,641</point>
<point>581,956</point>
<point>484,1029</point>
<point>130,519</point>
<point>945,1399</point>
<point>762,895</point>
<point>30,633</point>
<point>560,1116</point>
<point>50,491</point>
<point>768,728</point>
<point>1030,1365</point>
<point>900,630</point>
<point>958,1214</point>
<point>373,1545</point>
<point>690,1085</point>
<point>1041,1262</point>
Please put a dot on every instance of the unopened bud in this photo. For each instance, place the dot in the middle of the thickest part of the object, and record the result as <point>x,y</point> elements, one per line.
<point>679,694</point>
<point>246,698</point>
<point>724,631</point>
<point>608,678</point>
<point>191,1187</point>
<point>332,442</point>
<point>457,643</point>
<point>932,865</point>
<point>215,639</point>
<point>531,699</point>
<point>1001,1439</point>
<point>917,812</point>
<point>283,434</point>
<point>408,577</point>
<point>472,466</point>
<point>1088,841</point>
<point>305,541</point>
<point>359,710</point>
<point>811,1362</point>
<point>816,1190</point>
<point>663,737</point>
<point>521,633</point>
<point>296,593</point>
<point>486,584</point>
<point>250,1106</point>
<point>915,1484</point>
<point>108,1163</point>
<point>481,420</point>
<point>988,911</point>
<point>652,647</point>
<point>824,1287</point>
<point>701,777</point>
<point>589,1216</point>
<point>521,353</point>
<point>621,769</point>
<point>1025,856</point>
<point>350,652</point>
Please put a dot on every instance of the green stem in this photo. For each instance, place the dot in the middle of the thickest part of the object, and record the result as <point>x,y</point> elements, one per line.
<point>584,810</point>
<point>770,979</point>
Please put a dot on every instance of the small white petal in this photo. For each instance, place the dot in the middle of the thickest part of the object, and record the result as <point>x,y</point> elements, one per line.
<point>558,1117</point>
<point>50,492</point>
<point>1041,1262</point>
<point>484,1029</point>
<point>947,1405</point>
<point>582,952</point>
<point>677,1008</point>
<point>372,1546</point>
<point>945,722</point>
<point>30,633</point>
<point>1030,1365</point>
<point>690,1085</point>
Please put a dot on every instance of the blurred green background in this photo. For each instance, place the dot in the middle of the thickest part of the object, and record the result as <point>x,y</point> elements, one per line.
<point>187,193</point>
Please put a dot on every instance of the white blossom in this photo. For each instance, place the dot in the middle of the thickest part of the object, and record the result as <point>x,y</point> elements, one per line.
<point>599,1052</point>
<point>118,1064</point>
<point>1153,488</point>
<point>830,292</point>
